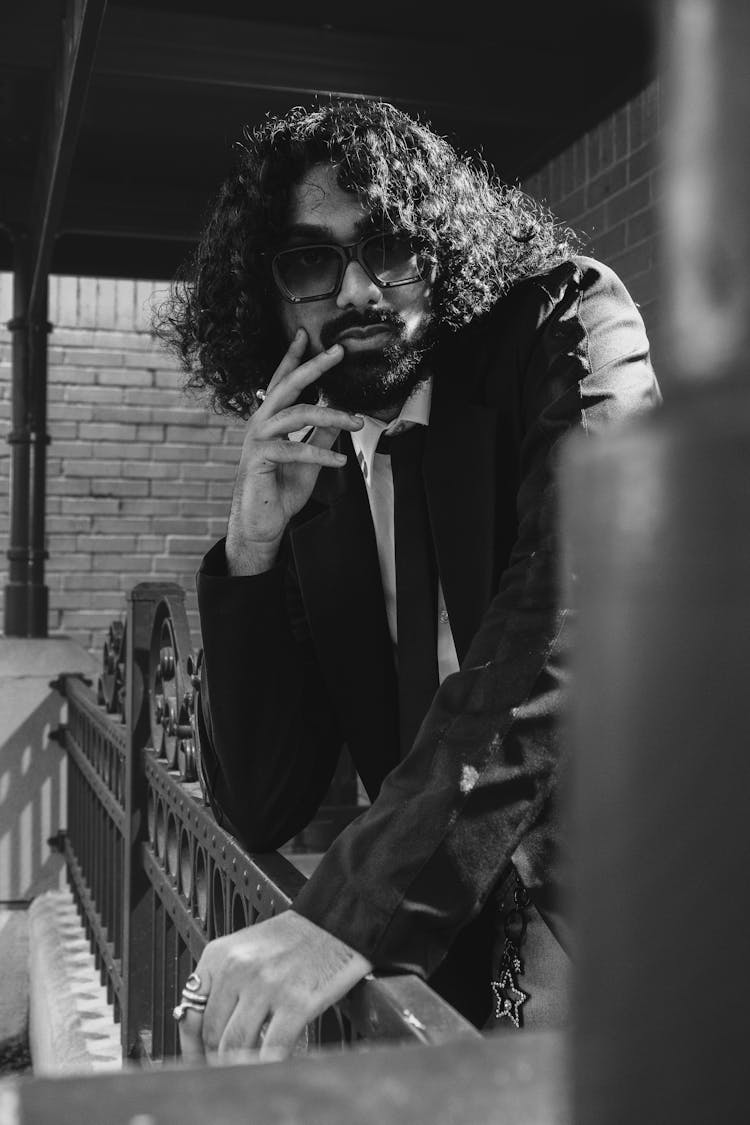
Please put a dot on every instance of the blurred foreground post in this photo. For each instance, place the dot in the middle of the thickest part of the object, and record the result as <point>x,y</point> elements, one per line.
<point>657,520</point>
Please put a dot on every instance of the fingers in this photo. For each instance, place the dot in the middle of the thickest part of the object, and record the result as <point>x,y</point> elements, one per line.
<point>298,453</point>
<point>191,1025</point>
<point>244,1028</point>
<point>287,384</point>
<point>286,1035</point>
<point>291,419</point>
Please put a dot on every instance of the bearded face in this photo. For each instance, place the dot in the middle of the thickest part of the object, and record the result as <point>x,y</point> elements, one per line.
<point>385,330</point>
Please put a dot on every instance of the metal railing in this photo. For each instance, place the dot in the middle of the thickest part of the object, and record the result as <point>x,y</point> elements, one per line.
<point>154,876</point>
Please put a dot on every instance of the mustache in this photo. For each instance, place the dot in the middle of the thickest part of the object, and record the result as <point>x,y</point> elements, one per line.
<point>354,319</point>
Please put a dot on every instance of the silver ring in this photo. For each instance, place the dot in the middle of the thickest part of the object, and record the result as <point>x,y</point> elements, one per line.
<point>178,1013</point>
<point>195,996</point>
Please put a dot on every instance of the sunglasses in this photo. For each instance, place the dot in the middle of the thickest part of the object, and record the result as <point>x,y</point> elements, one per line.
<point>312,273</point>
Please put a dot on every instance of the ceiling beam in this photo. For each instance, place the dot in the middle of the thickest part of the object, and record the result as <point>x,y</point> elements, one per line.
<point>80,34</point>
<point>436,75</point>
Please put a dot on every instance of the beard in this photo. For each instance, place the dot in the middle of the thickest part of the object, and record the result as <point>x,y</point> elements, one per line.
<point>377,379</point>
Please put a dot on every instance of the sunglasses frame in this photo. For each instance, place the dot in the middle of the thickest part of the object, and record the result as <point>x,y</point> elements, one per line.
<point>351,252</point>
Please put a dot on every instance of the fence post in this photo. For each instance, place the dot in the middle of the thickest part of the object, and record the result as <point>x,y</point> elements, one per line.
<point>138,907</point>
<point>658,522</point>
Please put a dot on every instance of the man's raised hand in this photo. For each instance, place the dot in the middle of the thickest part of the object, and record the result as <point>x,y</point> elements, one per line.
<point>276,476</point>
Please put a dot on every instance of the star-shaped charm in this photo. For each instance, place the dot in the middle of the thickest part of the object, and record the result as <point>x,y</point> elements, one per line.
<point>509,998</point>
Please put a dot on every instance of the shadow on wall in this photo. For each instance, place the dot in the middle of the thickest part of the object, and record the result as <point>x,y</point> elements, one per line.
<point>32,791</point>
<point>33,768</point>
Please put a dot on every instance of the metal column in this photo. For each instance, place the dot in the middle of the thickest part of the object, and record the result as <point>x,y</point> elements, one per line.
<point>658,523</point>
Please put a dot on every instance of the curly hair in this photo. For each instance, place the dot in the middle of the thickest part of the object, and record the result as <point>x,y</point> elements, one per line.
<point>481,235</point>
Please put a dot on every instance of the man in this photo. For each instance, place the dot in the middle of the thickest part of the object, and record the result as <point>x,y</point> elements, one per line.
<point>357,278</point>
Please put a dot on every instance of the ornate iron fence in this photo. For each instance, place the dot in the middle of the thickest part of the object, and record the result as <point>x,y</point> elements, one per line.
<point>154,876</point>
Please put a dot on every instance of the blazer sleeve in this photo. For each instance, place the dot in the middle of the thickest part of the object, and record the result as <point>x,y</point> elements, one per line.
<point>269,736</point>
<point>479,786</point>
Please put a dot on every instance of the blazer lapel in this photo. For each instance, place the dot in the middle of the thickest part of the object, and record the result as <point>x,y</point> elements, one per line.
<point>459,473</point>
<point>335,554</point>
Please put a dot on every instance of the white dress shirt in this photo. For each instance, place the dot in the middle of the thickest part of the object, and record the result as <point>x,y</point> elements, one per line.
<point>376,471</point>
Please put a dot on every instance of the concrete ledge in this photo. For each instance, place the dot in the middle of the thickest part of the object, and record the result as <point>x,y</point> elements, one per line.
<point>14,977</point>
<point>71,1023</point>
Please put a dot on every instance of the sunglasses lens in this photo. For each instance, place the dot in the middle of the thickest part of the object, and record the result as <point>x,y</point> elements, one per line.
<point>391,258</point>
<point>310,271</point>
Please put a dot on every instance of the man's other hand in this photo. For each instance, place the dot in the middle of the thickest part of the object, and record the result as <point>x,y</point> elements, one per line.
<point>264,985</point>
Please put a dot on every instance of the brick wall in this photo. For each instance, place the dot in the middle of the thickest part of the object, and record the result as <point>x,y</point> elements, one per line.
<point>607,187</point>
<point>140,476</point>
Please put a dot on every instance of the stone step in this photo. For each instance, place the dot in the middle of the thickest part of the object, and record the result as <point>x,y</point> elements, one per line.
<point>71,1023</point>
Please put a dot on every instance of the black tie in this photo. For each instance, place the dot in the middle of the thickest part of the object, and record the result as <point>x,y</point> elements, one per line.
<point>416,582</point>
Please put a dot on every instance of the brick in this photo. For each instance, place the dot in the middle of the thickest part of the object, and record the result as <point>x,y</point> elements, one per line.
<point>81,375</point>
<point>642,226</point>
<point>104,544</point>
<point>118,563</point>
<point>151,544</point>
<point>68,302</point>
<point>169,378</point>
<point>135,397</point>
<point>605,185</point>
<point>151,470</point>
<point>151,359</point>
<point>96,620</point>
<point>644,160</point>
<point>75,337</point>
<point>180,415</point>
<point>645,287</point>
<point>93,357</point>
<point>146,507</point>
<point>639,259</point>
<point>594,152</point>
<point>195,487</point>
<point>621,133</point>
<point>106,313</point>
<point>197,454</point>
<point>107,431</point>
<point>644,116</point>
<point>110,395</point>
<point>71,449</point>
<point>568,210</point>
<point>109,487</point>
<point>124,302</point>
<point>627,202</point>
<point>125,414</point>
<point>60,544</point>
<point>606,133</point>
<point>149,433</point>
<point>224,453</point>
<point>79,486</point>
<point>221,490</point>
<point>69,562</point>
<point>121,525</point>
<point>134,377</point>
<point>610,242</point>
<point>92,506</point>
<point>198,433</point>
<point>176,525</point>
<point>182,569</point>
<point>92,468</point>
<point>70,414</point>
<point>218,472</point>
<point>87,581</point>
<point>129,451</point>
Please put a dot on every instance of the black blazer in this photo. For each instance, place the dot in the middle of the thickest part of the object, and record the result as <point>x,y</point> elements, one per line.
<point>299,660</point>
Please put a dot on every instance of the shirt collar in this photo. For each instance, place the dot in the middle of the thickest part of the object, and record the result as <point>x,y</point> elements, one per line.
<point>415,411</point>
